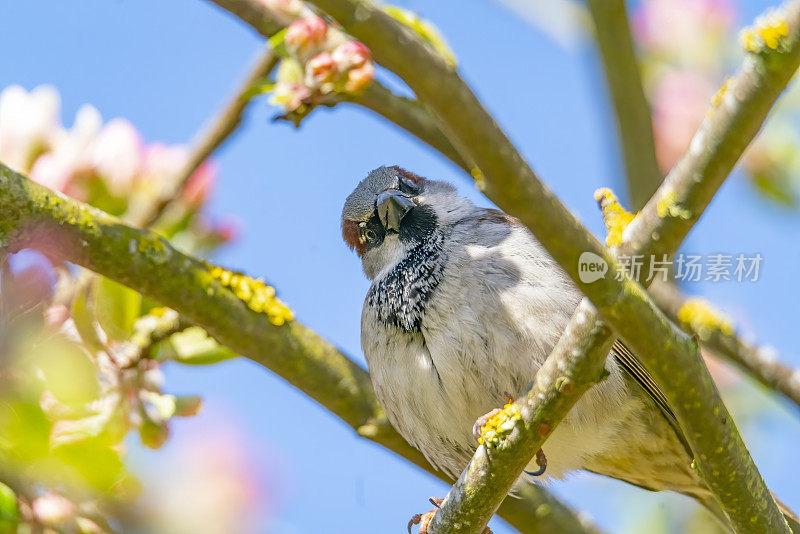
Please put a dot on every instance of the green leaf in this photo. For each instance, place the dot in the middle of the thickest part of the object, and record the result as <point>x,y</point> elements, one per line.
<point>84,321</point>
<point>9,514</point>
<point>66,369</point>
<point>153,434</point>
<point>259,88</point>
<point>278,43</point>
<point>194,346</point>
<point>424,29</point>
<point>776,188</point>
<point>188,406</point>
<point>116,307</point>
<point>159,408</point>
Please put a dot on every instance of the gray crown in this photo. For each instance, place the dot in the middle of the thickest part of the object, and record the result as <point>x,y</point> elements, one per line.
<point>360,205</point>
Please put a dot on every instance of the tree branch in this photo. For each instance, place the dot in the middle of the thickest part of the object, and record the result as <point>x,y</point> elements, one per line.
<point>411,116</point>
<point>670,356</point>
<point>256,14</point>
<point>758,362</point>
<point>634,125</point>
<point>406,113</point>
<point>33,216</point>
<point>211,136</point>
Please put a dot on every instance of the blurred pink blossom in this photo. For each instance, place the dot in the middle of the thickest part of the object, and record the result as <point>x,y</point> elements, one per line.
<point>306,33</point>
<point>200,184</point>
<point>351,54</point>
<point>28,123</point>
<point>213,485</point>
<point>680,99</point>
<point>358,79</point>
<point>228,229</point>
<point>53,509</point>
<point>667,24</point>
<point>117,155</point>
<point>160,164</point>
<point>290,95</point>
<point>70,152</point>
<point>320,69</point>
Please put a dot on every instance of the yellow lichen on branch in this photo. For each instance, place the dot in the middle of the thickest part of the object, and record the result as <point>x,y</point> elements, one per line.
<point>768,32</point>
<point>668,206</point>
<point>703,318</point>
<point>499,425</point>
<point>259,296</point>
<point>614,215</point>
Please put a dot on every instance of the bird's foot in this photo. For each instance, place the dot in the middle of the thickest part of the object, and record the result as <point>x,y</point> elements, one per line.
<point>423,520</point>
<point>541,461</point>
<point>477,428</point>
<point>492,427</point>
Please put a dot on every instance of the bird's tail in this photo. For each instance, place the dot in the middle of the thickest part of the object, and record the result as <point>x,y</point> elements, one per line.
<point>710,503</point>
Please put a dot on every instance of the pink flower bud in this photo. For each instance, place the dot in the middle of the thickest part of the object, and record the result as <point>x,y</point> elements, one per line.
<point>351,54</point>
<point>306,32</point>
<point>358,79</point>
<point>290,95</point>
<point>321,68</point>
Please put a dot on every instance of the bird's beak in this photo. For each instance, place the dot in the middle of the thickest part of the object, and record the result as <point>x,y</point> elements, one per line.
<point>393,205</point>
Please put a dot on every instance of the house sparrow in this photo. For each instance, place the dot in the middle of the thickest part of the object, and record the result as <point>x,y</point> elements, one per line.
<point>465,306</point>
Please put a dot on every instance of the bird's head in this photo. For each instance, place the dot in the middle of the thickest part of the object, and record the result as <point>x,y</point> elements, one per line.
<point>391,211</point>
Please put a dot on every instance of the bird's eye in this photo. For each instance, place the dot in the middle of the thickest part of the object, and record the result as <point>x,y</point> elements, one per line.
<point>408,187</point>
<point>370,234</point>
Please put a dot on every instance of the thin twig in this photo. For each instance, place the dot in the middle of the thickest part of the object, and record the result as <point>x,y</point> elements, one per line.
<point>411,116</point>
<point>630,106</point>
<point>759,363</point>
<point>210,137</point>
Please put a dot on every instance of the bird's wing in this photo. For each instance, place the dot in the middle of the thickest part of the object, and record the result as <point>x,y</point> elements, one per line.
<point>634,368</point>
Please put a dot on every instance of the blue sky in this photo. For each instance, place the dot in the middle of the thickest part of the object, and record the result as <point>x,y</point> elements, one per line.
<point>166,66</point>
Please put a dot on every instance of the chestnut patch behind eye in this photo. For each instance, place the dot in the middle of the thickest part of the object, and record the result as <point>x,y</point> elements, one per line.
<point>351,235</point>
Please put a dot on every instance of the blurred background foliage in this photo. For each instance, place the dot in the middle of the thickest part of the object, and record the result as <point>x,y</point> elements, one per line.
<point>81,356</point>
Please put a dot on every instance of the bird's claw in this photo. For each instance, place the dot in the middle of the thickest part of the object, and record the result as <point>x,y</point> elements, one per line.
<point>481,422</point>
<point>541,461</point>
<point>423,520</point>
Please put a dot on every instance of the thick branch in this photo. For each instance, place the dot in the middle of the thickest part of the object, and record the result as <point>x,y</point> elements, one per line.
<point>254,13</point>
<point>212,135</point>
<point>31,215</point>
<point>758,362</point>
<point>670,356</point>
<point>627,95</point>
<point>411,116</point>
